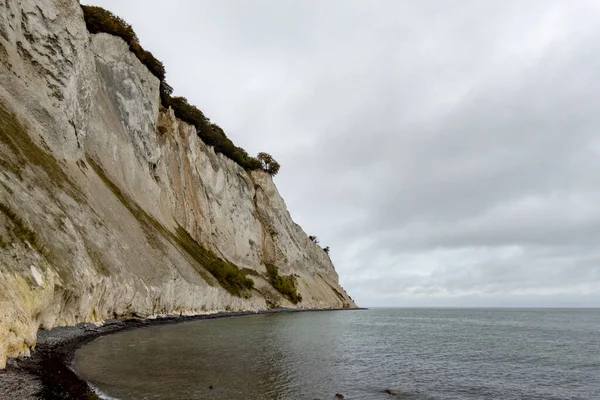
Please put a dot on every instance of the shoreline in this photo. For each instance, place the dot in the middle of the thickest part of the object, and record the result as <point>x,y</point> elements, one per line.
<point>46,374</point>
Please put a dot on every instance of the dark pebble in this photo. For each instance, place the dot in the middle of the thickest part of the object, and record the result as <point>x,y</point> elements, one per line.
<point>393,392</point>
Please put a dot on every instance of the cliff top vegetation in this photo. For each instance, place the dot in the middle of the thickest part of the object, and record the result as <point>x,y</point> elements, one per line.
<point>98,20</point>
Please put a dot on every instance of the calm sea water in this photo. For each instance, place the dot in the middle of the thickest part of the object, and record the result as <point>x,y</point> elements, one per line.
<point>425,353</point>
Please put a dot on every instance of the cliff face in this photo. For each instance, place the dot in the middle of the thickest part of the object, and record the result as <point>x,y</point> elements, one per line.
<point>109,205</point>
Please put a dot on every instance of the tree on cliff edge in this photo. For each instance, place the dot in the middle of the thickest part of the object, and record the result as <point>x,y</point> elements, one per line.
<point>268,163</point>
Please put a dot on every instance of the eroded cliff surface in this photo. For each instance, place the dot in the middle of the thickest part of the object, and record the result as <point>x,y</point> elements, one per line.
<point>110,206</point>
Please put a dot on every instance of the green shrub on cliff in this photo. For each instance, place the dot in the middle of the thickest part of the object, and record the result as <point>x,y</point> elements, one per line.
<point>99,20</point>
<point>210,133</point>
<point>268,163</point>
<point>229,275</point>
<point>285,285</point>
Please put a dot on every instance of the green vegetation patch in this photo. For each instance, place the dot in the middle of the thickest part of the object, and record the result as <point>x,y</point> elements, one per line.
<point>96,257</point>
<point>99,20</point>
<point>144,218</point>
<point>210,133</point>
<point>23,151</point>
<point>286,285</point>
<point>20,229</point>
<point>227,274</point>
<point>337,292</point>
<point>250,271</point>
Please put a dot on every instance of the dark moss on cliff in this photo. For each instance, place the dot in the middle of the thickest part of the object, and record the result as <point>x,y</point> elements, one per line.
<point>226,274</point>
<point>19,228</point>
<point>286,285</point>
<point>229,275</point>
<point>18,151</point>
<point>337,292</point>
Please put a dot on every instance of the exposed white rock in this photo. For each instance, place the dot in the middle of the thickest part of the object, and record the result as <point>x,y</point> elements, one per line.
<point>115,190</point>
<point>36,275</point>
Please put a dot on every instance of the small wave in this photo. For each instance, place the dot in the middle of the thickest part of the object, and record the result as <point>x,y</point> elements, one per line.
<point>94,388</point>
<point>99,393</point>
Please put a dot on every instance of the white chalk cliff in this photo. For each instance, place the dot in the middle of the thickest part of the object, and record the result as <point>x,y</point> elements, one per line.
<point>105,196</point>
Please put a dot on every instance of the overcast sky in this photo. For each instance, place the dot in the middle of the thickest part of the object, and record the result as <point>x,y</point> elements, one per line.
<point>447,151</point>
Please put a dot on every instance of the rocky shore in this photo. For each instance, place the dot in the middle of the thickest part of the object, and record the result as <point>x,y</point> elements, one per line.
<point>47,374</point>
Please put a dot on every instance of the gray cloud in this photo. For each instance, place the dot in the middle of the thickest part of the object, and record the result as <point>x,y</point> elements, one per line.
<point>448,152</point>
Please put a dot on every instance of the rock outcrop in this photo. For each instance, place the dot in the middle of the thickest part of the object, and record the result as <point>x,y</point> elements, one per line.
<point>110,206</point>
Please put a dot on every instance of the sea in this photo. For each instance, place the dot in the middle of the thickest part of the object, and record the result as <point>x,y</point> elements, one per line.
<point>414,353</point>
